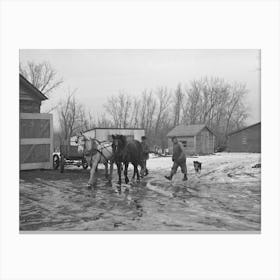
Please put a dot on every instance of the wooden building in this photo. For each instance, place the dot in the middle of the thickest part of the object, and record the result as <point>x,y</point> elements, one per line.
<point>196,139</point>
<point>30,97</point>
<point>36,129</point>
<point>105,133</point>
<point>247,139</point>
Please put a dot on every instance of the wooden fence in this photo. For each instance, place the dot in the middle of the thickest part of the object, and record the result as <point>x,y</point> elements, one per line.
<point>36,141</point>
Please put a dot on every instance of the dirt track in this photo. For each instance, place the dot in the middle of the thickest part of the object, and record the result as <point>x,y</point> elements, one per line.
<point>223,197</point>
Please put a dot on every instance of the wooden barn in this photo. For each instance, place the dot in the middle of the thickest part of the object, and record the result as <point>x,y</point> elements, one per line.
<point>105,133</point>
<point>196,139</point>
<point>30,97</point>
<point>247,139</point>
<point>36,129</point>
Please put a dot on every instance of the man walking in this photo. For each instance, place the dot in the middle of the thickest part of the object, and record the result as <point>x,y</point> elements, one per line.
<point>179,159</point>
<point>145,148</point>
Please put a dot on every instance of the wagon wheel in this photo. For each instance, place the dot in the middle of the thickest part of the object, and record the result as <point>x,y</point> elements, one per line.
<point>55,162</point>
<point>84,163</point>
<point>62,162</point>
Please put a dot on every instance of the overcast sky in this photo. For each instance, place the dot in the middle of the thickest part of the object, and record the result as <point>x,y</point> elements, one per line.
<point>98,74</point>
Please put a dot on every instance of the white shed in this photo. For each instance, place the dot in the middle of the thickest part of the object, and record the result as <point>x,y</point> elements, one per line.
<point>196,138</point>
<point>105,133</point>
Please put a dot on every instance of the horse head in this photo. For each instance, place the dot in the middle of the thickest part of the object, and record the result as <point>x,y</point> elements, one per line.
<point>119,142</point>
<point>85,144</point>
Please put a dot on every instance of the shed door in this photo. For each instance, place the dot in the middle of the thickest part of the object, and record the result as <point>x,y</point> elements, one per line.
<point>36,140</point>
<point>205,141</point>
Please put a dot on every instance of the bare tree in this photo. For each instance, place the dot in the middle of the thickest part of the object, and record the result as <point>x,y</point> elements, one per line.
<point>134,118</point>
<point>102,121</point>
<point>164,98</point>
<point>126,103</point>
<point>216,103</point>
<point>143,109</point>
<point>191,110</point>
<point>177,104</point>
<point>235,106</point>
<point>91,120</point>
<point>71,116</point>
<point>119,108</point>
<point>151,106</point>
<point>147,110</point>
<point>42,75</point>
<point>212,101</point>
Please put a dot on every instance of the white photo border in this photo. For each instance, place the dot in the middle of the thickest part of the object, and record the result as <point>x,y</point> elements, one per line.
<point>140,25</point>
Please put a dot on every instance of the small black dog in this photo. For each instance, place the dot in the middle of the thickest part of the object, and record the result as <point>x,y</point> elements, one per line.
<point>197,166</point>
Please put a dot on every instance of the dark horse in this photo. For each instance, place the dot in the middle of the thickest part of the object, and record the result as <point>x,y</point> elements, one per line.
<point>127,152</point>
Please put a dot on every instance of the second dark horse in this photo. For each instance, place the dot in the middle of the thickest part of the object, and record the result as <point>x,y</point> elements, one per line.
<point>125,152</point>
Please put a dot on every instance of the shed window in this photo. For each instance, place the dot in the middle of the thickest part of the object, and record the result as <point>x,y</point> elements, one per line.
<point>184,144</point>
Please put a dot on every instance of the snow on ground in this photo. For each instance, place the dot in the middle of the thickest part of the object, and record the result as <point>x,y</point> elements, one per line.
<point>225,196</point>
<point>220,167</point>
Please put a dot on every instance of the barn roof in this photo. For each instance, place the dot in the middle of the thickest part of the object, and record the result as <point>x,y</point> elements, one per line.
<point>187,130</point>
<point>32,88</point>
<point>244,128</point>
<point>116,128</point>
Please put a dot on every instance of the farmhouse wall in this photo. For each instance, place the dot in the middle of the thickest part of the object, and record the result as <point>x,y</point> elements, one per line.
<point>28,102</point>
<point>246,140</point>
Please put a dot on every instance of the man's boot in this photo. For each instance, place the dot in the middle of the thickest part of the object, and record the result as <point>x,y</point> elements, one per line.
<point>185,177</point>
<point>168,177</point>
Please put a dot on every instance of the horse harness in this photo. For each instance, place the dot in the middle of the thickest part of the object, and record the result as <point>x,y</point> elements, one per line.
<point>91,152</point>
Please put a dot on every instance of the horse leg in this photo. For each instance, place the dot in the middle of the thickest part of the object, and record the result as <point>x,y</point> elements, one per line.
<point>106,170</point>
<point>143,168</point>
<point>92,178</point>
<point>111,170</point>
<point>136,171</point>
<point>125,173</point>
<point>119,173</point>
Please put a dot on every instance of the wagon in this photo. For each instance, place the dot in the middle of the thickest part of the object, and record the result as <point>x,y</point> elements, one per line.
<point>69,155</point>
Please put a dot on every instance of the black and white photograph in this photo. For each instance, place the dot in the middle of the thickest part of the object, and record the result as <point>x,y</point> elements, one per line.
<point>140,140</point>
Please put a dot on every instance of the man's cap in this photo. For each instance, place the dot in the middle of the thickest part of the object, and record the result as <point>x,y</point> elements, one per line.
<point>143,137</point>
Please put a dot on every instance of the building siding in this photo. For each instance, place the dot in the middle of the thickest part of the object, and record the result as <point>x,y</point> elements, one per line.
<point>205,142</point>
<point>188,143</point>
<point>247,140</point>
<point>29,106</point>
<point>28,102</point>
<point>194,144</point>
<point>201,143</point>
